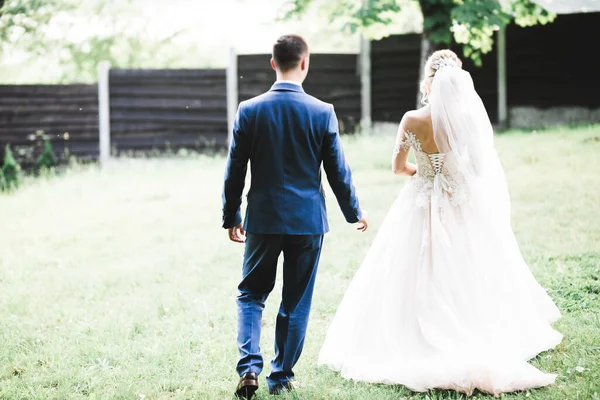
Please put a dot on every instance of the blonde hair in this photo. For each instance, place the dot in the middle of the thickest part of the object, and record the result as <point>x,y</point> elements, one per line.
<point>439,59</point>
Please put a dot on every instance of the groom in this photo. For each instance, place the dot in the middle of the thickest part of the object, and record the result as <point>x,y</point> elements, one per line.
<point>286,135</point>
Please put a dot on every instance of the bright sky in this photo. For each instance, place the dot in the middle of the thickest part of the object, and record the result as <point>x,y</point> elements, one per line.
<point>248,25</point>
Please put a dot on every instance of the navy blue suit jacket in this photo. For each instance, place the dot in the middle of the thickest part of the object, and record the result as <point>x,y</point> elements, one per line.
<point>286,135</point>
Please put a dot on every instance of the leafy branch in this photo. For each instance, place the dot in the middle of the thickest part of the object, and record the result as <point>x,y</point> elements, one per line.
<point>471,23</point>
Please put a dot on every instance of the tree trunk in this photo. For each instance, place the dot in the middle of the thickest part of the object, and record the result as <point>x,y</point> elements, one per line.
<point>437,17</point>
<point>427,48</point>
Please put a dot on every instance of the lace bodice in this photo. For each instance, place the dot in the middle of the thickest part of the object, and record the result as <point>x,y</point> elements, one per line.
<point>433,169</point>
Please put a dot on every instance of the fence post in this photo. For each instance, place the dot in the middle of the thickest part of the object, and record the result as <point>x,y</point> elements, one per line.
<point>365,81</point>
<point>232,92</point>
<point>104,111</point>
<point>502,102</point>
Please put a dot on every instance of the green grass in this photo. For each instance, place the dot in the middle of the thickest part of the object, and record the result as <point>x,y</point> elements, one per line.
<point>120,284</point>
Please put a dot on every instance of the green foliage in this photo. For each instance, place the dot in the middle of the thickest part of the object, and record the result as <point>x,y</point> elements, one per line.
<point>437,20</point>
<point>475,21</point>
<point>81,59</point>
<point>22,21</point>
<point>474,24</point>
<point>528,13</point>
<point>471,23</point>
<point>46,160</point>
<point>3,186</point>
<point>355,15</point>
<point>11,169</point>
<point>366,13</point>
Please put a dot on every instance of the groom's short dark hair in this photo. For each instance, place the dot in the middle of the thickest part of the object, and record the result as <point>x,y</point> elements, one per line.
<point>288,52</point>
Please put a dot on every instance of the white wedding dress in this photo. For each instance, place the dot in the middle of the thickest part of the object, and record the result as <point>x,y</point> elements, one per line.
<point>444,298</point>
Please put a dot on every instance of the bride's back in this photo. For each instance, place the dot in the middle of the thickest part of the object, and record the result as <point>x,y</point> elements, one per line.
<point>420,124</point>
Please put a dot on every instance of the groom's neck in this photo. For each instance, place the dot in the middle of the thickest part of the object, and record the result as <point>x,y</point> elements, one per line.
<point>294,76</point>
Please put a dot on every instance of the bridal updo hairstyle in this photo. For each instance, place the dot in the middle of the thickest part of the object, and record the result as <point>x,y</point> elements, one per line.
<point>439,59</point>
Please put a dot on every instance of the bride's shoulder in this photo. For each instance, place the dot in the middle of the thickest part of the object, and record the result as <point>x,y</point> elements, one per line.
<point>421,115</point>
<point>406,136</point>
<point>411,116</point>
<point>416,129</point>
<point>414,121</point>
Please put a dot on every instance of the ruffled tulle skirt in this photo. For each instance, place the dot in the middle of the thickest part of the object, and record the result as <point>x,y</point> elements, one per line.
<point>443,300</point>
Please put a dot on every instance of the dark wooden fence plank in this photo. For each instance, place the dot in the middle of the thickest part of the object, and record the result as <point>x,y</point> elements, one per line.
<point>167,92</point>
<point>25,109</point>
<point>125,103</point>
<point>166,117</point>
<point>51,91</point>
<point>79,101</point>
<point>174,75</point>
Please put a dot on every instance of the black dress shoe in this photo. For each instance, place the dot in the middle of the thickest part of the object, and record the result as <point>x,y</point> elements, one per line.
<point>284,387</point>
<point>247,386</point>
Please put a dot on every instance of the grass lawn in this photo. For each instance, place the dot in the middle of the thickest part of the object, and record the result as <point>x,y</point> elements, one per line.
<point>120,284</point>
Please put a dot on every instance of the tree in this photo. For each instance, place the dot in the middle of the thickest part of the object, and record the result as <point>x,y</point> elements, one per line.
<point>11,170</point>
<point>471,23</point>
<point>25,20</point>
<point>25,26</point>
<point>46,160</point>
<point>3,186</point>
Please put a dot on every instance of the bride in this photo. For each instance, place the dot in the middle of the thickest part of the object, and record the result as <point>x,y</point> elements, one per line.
<point>444,298</point>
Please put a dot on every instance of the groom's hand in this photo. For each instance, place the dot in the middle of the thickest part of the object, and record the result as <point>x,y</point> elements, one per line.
<point>237,234</point>
<point>363,223</point>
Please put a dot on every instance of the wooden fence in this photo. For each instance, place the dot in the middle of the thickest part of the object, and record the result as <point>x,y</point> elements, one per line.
<point>485,79</point>
<point>175,108</point>
<point>167,108</point>
<point>394,76</point>
<point>149,109</point>
<point>395,63</point>
<point>333,78</point>
<point>543,67</point>
<point>553,65</point>
<point>68,114</point>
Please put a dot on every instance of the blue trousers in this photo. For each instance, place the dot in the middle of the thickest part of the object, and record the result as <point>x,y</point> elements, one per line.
<point>300,260</point>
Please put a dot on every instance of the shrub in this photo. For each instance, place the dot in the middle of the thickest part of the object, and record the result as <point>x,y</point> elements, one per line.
<point>46,160</point>
<point>11,170</point>
<point>2,181</point>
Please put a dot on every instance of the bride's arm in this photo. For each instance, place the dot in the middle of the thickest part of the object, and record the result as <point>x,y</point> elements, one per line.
<point>400,164</point>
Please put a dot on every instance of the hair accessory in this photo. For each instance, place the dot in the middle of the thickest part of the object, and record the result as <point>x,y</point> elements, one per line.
<point>443,62</point>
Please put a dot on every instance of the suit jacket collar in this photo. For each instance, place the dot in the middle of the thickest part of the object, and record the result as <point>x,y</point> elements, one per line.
<point>287,87</point>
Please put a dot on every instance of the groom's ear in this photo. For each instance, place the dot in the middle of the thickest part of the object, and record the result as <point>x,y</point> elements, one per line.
<point>273,64</point>
<point>304,63</point>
